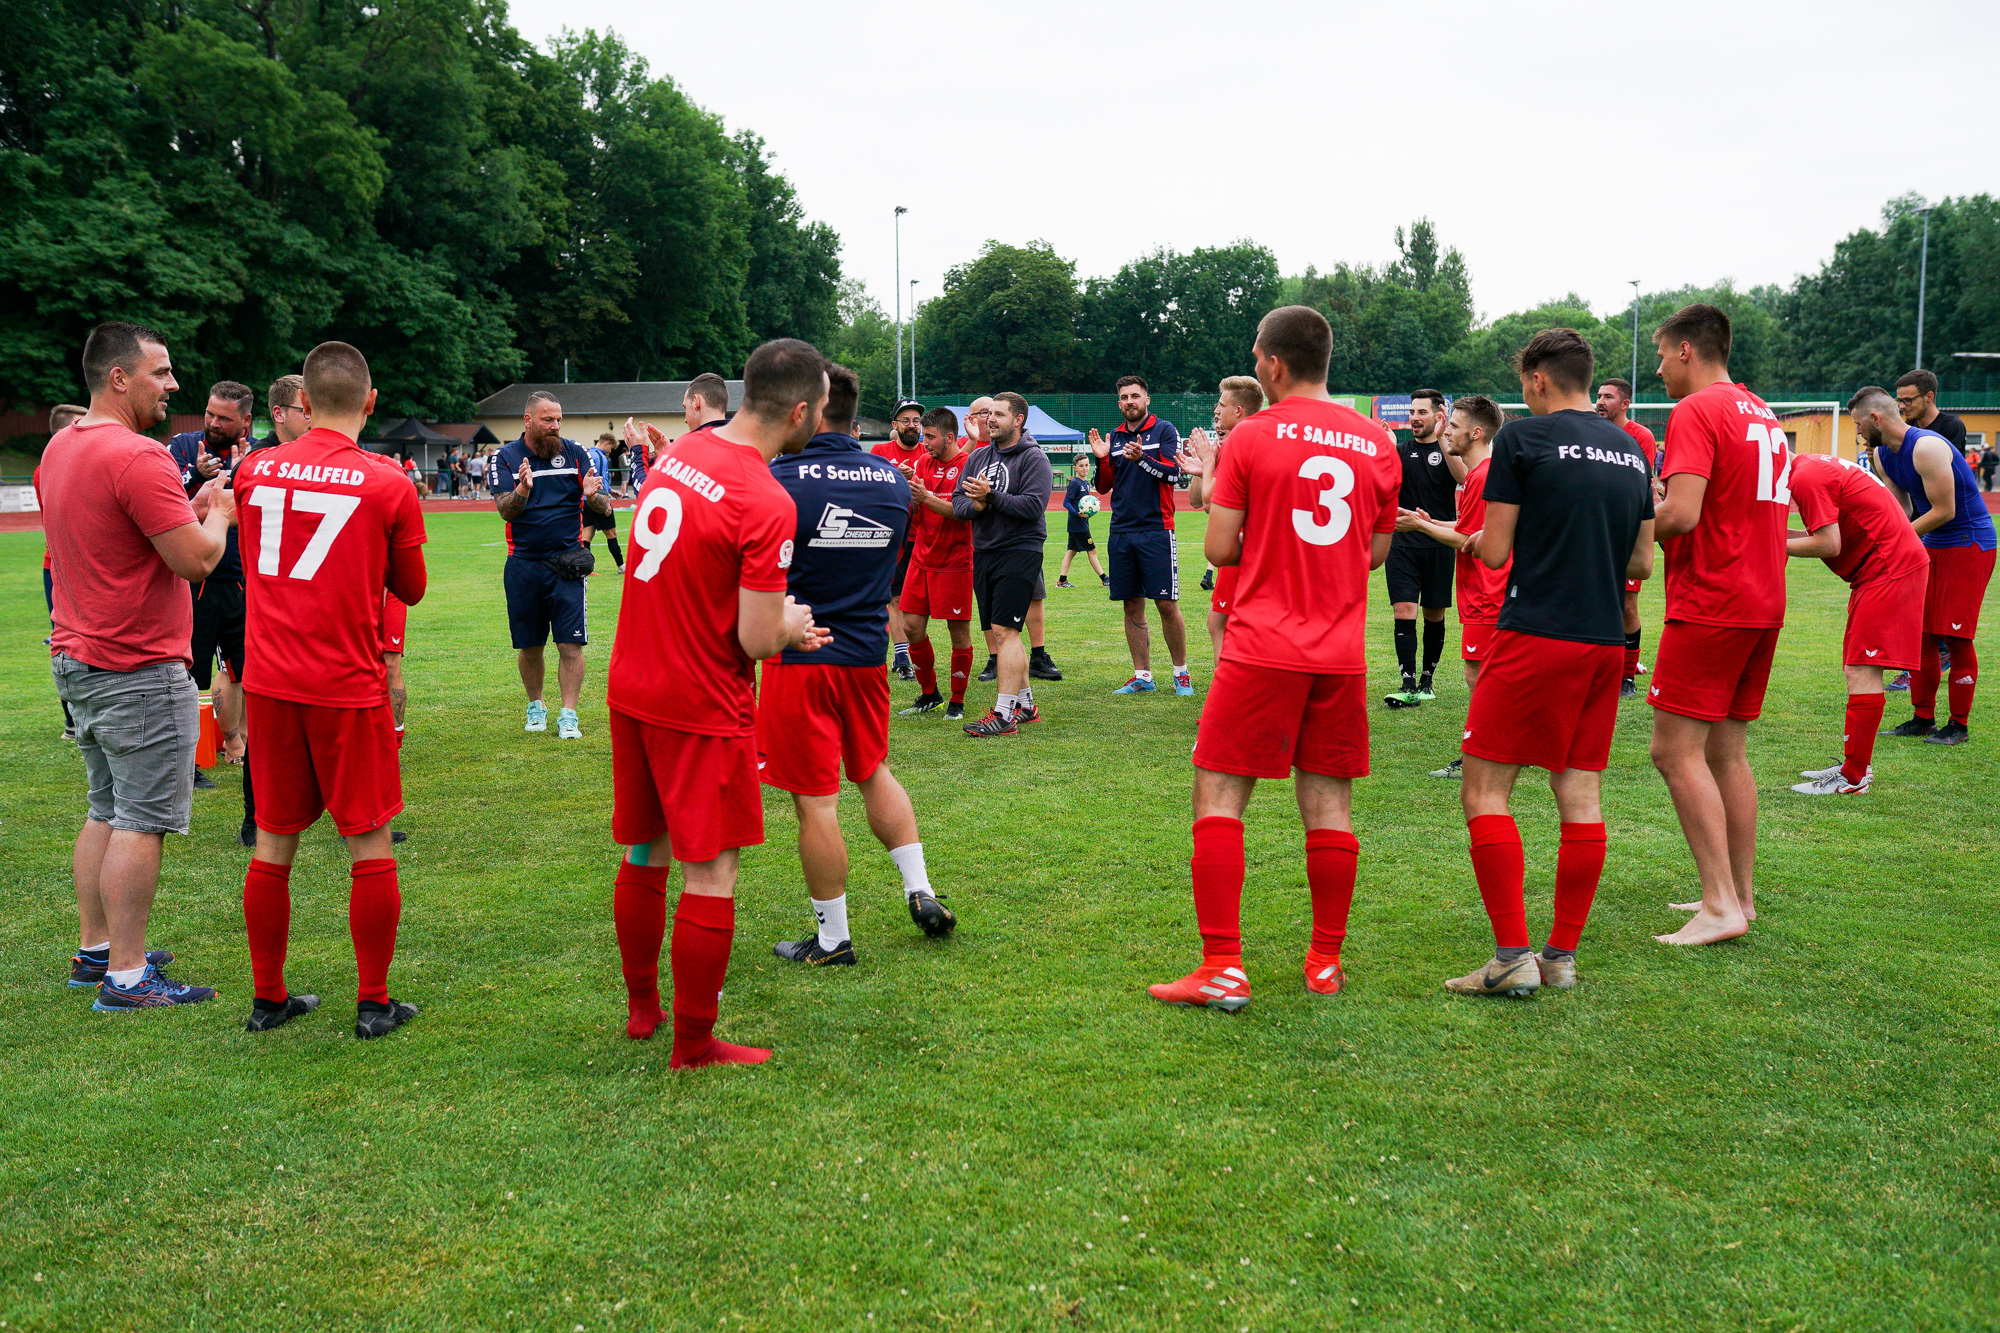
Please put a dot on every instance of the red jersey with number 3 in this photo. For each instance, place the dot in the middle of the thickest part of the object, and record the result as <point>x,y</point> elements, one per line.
<point>316,520</point>
<point>1480,590</point>
<point>1876,539</point>
<point>711,519</point>
<point>1315,482</point>
<point>943,542</point>
<point>1730,570</point>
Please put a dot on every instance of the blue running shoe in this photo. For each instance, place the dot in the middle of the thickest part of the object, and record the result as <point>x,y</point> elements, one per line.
<point>150,991</point>
<point>538,717</point>
<point>1136,686</point>
<point>566,727</point>
<point>1183,683</point>
<point>87,970</point>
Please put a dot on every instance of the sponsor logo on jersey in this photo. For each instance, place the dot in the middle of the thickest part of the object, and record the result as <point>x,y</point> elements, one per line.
<point>1435,458</point>
<point>1871,652</point>
<point>841,527</point>
<point>785,554</point>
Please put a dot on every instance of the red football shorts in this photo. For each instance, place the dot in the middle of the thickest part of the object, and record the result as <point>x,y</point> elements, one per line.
<point>812,718</point>
<point>1885,622</point>
<point>1225,588</point>
<point>395,621</point>
<point>1262,722</point>
<point>1710,672</point>
<point>940,594</point>
<point>1475,639</point>
<point>1550,703</point>
<point>700,790</point>
<point>1959,575</point>
<point>313,760</point>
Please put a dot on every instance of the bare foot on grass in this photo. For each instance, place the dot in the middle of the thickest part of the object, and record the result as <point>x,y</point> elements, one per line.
<point>1749,911</point>
<point>1708,928</point>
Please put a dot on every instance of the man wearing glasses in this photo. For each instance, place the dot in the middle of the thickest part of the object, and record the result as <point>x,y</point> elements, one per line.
<point>1916,400</point>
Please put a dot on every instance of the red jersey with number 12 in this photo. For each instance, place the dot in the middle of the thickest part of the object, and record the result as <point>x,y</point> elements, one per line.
<point>711,519</point>
<point>1730,570</point>
<point>1480,590</point>
<point>1315,482</point>
<point>316,520</point>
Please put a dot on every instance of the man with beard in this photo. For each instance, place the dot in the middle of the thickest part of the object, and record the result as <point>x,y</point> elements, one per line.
<point>552,484</point>
<point>1040,665</point>
<point>939,583</point>
<point>1420,568</point>
<point>1003,492</point>
<point>1139,465</point>
<point>904,448</point>
<point>1614,403</point>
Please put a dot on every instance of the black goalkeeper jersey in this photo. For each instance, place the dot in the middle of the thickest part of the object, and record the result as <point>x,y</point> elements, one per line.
<point>1427,485</point>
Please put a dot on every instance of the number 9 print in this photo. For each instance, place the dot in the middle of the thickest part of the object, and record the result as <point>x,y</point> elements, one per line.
<point>655,528</point>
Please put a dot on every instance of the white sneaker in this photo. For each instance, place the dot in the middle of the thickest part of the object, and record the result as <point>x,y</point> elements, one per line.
<point>566,728</point>
<point>1823,772</point>
<point>538,717</point>
<point>1835,784</point>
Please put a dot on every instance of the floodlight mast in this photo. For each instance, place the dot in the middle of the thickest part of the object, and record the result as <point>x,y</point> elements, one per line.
<point>1635,336</point>
<point>900,210</point>
<point>913,337</point>
<point>1923,273</point>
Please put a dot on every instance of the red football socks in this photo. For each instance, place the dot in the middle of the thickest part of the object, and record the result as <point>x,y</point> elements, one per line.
<point>639,913</point>
<point>1217,870</point>
<point>1500,865</point>
<point>1864,715</point>
<point>961,672</point>
<point>1924,683</point>
<point>924,658</point>
<point>704,928</point>
<point>374,905</point>
<point>1964,676</point>
<point>1332,858</point>
<point>1579,865</point>
<point>267,919</point>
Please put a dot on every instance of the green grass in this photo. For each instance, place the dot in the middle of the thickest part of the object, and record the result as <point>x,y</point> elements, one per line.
<point>1795,1131</point>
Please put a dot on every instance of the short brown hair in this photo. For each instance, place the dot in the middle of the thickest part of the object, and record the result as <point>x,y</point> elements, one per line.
<point>62,414</point>
<point>1871,398</point>
<point>843,398</point>
<point>1432,396</point>
<point>284,391</point>
<point>538,396</point>
<point>780,375</point>
<point>1482,412</point>
<point>1016,405</point>
<point>713,390</point>
<point>1244,391</point>
<point>1561,354</point>
<point>1921,380</point>
<point>115,343</point>
<point>242,395</point>
<point>1624,387</point>
<point>1704,327</point>
<point>942,420</point>
<point>1139,380</point>
<point>1299,336</point>
<point>336,379</point>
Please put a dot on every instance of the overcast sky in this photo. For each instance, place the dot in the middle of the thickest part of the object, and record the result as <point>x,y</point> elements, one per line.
<point>1560,146</point>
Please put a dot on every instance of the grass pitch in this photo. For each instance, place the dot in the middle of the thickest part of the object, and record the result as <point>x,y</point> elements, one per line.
<point>1795,1131</point>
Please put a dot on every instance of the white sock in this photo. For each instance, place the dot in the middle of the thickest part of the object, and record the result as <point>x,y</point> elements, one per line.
<point>1180,668</point>
<point>106,946</point>
<point>832,916</point>
<point>1142,673</point>
<point>129,977</point>
<point>909,859</point>
<point>1027,697</point>
<point>1004,706</point>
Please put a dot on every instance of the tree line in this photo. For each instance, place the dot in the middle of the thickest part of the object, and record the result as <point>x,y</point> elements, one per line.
<point>1018,315</point>
<point>252,177</point>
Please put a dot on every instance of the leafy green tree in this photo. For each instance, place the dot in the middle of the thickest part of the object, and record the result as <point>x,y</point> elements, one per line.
<point>1007,320</point>
<point>1182,320</point>
<point>865,342</point>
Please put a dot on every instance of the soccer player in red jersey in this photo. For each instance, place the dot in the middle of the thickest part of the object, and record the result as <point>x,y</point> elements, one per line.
<point>704,600</point>
<point>1614,403</point>
<point>326,527</point>
<point>1854,523</point>
<point>1468,437</point>
<point>1304,503</point>
<point>904,448</point>
<point>1239,398</point>
<point>938,583</point>
<point>1722,522</point>
<point>1570,501</point>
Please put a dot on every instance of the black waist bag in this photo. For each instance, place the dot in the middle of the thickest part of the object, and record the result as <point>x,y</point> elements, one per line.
<point>575,565</point>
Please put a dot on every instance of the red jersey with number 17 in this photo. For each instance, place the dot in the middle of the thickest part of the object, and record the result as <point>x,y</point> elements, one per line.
<point>1480,590</point>
<point>316,520</point>
<point>711,519</point>
<point>1315,482</point>
<point>1730,570</point>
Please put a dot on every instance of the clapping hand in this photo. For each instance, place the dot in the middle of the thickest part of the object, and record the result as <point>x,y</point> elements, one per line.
<point>978,489</point>
<point>207,463</point>
<point>1098,444</point>
<point>1411,520</point>
<point>592,483</point>
<point>524,480</point>
<point>800,631</point>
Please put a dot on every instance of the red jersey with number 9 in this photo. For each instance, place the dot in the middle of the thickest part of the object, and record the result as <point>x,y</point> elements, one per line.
<point>1315,482</point>
<point>1731,569</point>
<point>316,520</point>
<point>711,519</point>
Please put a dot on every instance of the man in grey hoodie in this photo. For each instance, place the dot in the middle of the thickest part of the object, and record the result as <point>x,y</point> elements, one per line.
<point>1004,493</point>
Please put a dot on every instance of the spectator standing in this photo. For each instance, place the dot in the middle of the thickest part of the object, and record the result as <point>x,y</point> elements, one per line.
<point>1989,460</point>
<point>124,536</point>
<point>1916,400</point>
<point>1004,493</point>
<point>61,415</point>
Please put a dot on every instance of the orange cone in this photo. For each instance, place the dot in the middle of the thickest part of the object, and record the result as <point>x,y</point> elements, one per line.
<point>210,741</point>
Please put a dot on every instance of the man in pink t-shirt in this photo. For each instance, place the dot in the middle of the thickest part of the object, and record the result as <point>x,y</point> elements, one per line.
<point>124,542</point>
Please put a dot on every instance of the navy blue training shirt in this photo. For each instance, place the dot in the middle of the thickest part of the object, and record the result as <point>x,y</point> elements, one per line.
<point>1142,488</point>
<point>553,519</point>
<point>186,448</point>
<point>853,511</point>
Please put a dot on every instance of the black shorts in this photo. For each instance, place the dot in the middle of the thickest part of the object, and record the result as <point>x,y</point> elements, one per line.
<point>605,522</point>
<point>1005,583</point>
<point>902,567</point>
<point>538,603</point>
<point>1420,572</point>
<point>218,627</point>
<point>1080,541</point>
